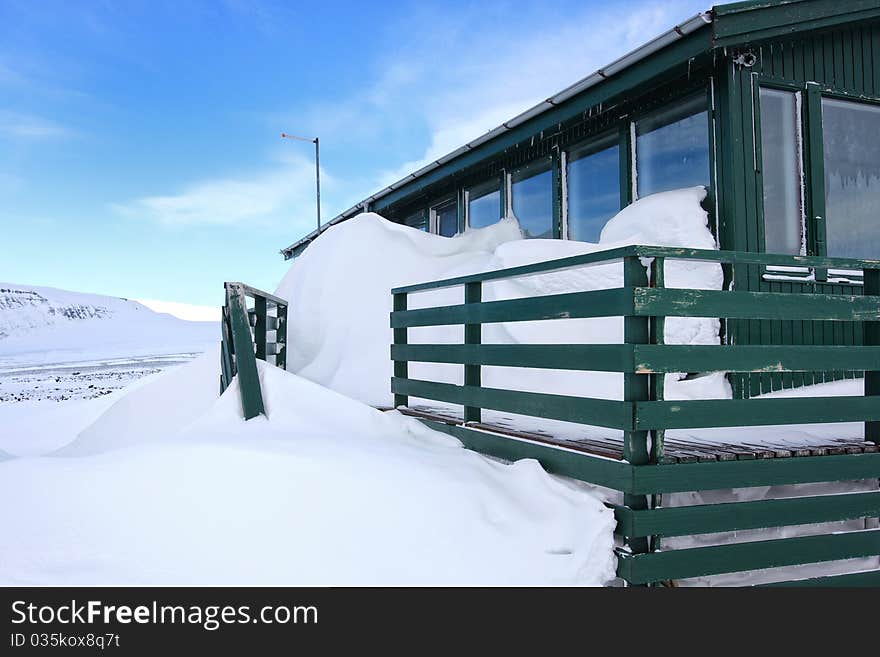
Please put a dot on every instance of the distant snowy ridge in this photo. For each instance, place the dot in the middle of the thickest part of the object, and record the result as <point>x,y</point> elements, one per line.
<point>44,324</point>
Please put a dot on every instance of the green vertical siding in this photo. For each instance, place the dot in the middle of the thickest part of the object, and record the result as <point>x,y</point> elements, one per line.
<point>842,60</point>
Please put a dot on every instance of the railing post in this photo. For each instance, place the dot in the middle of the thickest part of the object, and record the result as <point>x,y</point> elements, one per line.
<point>473,334</point>
<point>245,362</point>
<point>657,380</point>
<point>260,326</point>
<point>281,336</point>
<point>872,338</point>
<point>636,330</point>
<point>401,367</point>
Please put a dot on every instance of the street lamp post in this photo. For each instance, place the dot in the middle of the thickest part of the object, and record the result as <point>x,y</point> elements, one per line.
<point>316,142</point>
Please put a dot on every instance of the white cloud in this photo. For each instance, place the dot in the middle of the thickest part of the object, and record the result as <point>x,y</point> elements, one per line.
<point>469,83</point>
<point>288,188</point>
<point>14,125</point>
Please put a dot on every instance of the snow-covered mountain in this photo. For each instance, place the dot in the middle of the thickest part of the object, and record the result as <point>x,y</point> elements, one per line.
<point>48,325</point>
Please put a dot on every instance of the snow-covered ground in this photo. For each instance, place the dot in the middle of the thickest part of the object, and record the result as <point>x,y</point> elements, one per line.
<point>48,326</point>
<point>326,490</point>
<point>163,482</point>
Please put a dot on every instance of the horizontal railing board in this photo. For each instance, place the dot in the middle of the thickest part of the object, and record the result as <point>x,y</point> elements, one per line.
<point>648,359</point>
<point>598,357</point>
<point>705,413</point>
<point>568,463</point>
<point>583,410</point>
<point>865,578</point>
<point>249,291</point>
<point>685,477</point>
<point>671,253</point>
<point>738,557</point>
<point>732,516</point>
<point>754,358</point>
<point>571,305</point>
<point>668,302</point>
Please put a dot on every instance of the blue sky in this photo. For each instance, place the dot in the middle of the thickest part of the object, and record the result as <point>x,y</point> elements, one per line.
<point>140,153</point>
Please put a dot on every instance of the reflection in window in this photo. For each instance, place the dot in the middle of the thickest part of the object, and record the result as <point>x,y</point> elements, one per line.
<point>593,177</point>
<point>417,220</point>
<point>672,148</point>
<point>531,198</point>
<point>484,204</point>
<point>851,139</point>
<point>781,172</point>
<point>446,218</point>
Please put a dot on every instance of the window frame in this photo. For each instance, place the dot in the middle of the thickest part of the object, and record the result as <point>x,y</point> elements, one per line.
<point>442,202</point>
<point>811,153</point>
<point>594,144</point>
<point>498,184</point>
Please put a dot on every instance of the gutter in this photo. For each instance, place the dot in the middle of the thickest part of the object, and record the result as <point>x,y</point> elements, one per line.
<point>654,45</point>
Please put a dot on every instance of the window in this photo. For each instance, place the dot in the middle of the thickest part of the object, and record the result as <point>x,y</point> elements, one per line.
<point>531,196</point>
<point>484,204</point>
<point>593,180</point>
<point>445,218</point>
<point>781,172</point>
<point>672,148</point>
<point>417,220</point>
<point>851,143</point>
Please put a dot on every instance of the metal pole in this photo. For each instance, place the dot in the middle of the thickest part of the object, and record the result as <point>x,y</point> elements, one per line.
<point>318,179</point>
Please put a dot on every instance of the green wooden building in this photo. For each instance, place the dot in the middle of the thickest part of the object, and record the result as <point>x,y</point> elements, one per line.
<point>773,107</point>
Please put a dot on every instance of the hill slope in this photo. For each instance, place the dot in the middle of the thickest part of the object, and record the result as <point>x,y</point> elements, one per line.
<point>41,325</point>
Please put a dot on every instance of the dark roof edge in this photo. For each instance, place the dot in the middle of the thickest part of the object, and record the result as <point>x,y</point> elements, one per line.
<point>670,36</point>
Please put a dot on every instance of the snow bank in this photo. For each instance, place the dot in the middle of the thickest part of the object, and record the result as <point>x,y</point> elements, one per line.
<point>339,290</point>
<point>325,491</point>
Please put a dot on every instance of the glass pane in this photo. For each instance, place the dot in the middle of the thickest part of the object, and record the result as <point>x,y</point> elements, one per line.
<point>484,205</point>
<point>781,171</point>
<point>532,199</point>
<point>851,136</point>
<point>593,177</point>
<point>672,148</point>
<point>417,220</point>
<point>447,219</point>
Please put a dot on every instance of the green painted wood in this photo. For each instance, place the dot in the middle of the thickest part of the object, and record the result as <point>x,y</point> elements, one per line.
<point>872,337</point>
<point>245,360</point>
<point>753,358</point>
<point>473,294</point>
<point>281,336</point>
<point>593,357</point>
<point>701,413</point>
<point>736,557</point>
<point>733,516</point>
<point>671,253</point>
<point>683,477</point>
<point>598,412</point>
<point>401,368</point>
<point>636,388</point>
<point>260,326</point>
<point>577,465</point>
<point>870,578</point>
<point>754,305</point>
<point>746,22</point>
<point>572,305</point>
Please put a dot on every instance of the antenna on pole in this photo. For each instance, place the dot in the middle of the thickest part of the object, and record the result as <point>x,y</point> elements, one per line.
<point>317,144</point>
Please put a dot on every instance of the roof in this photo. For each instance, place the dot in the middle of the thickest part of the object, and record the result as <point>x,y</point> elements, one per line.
<point>736,23</point>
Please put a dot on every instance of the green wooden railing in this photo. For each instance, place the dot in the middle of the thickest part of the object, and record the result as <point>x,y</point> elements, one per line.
<point>249,333</point>
<point>644,415</point>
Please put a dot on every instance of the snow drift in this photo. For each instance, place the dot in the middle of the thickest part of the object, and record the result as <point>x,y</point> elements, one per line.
<point>339,288</point>
<point>326,490</point>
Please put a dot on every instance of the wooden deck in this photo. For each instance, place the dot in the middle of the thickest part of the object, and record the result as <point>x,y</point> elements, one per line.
<point>675,450</point>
